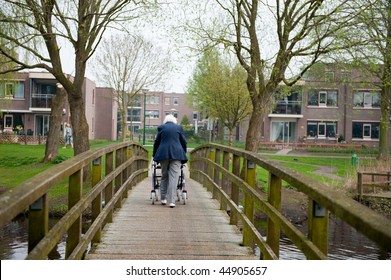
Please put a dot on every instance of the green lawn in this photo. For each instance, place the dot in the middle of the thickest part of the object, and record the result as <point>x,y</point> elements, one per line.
<point>21,162</point>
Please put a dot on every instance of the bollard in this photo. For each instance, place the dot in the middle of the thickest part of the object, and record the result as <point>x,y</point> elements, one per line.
<point>354,160</point>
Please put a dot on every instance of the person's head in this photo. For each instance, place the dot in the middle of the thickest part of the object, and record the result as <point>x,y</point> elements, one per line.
<point>170,118</point>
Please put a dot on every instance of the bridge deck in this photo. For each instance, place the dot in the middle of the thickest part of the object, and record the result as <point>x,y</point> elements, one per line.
<point>197,230</point>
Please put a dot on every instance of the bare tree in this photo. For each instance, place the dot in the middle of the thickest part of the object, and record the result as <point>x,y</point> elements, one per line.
<point>39,30</point>
<point>221,91</point>
<point>129,64</point>
<point>274,41</point>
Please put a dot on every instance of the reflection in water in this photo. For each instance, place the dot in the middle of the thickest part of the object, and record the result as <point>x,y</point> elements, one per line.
<point>345,243</point>
<point>13,241</point>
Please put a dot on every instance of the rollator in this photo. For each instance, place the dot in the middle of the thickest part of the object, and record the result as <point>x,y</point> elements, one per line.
<point>156,181</point>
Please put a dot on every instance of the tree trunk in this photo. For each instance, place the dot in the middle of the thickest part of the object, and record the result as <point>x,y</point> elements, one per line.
<point>79,124</point>
<point>231,137</point>
<point>221,131</point>
<point>254,132</point>
<point>384,123</point>
<point>123,121</point>
<point>58,103</point>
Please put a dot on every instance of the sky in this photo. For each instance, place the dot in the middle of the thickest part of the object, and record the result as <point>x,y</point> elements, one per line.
<point>158,33</point>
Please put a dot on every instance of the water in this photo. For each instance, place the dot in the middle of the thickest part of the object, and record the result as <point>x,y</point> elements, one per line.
<point>345,243</point>
<point>13,241</point>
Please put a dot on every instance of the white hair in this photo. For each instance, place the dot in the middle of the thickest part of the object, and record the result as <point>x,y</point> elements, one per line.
<point>170,118</point>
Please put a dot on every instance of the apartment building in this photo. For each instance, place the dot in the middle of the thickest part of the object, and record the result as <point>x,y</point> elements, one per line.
<point>26,99</point>
<point>332,105</point>
<point>158,104</point>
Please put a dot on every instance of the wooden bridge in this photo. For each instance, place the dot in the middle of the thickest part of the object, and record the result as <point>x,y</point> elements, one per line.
<point>111,186</point>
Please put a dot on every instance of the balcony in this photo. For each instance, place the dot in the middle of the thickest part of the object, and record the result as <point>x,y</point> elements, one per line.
<point>41,101</point>
<point>285,108</point>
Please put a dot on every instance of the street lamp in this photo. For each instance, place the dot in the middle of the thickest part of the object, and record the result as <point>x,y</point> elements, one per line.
<point>145,104</point>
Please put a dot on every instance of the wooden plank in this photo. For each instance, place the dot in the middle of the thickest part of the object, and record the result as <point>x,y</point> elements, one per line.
<point>197,230</point>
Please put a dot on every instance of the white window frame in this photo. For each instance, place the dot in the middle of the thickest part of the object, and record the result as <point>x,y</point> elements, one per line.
<point>5,121</point>
<point>175,101</point>
<point>369,126</point>
<point>323,104</point>
<point>324,129</point>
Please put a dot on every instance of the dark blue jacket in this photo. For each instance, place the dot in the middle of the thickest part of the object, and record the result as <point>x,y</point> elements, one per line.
<point>170,143</point>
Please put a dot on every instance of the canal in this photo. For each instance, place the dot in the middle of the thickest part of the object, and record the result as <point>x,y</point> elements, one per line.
<point>345,243</point>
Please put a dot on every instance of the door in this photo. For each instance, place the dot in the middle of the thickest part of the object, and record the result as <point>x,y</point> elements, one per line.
<point>283,131</point>
<point>42,125</point>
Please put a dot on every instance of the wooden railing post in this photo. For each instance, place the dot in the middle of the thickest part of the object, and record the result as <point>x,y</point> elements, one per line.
<point>97,202</point>
<point>235,188</point>
<point>274,198</point>
<point>318,220</point>
<point>249,203</point>
<point>131,166</point>
<point>216,174</point>
<point>38,221</point>
<point>75,193</point>
<point>224,181</point>
<point>211,156</point>
<point>109,188</point>
<point>125,171</point>
<point>359,186</point>
<point>118,178</point>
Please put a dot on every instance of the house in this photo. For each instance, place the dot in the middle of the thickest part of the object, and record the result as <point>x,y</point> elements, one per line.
<point>157,105</point>
<point>26,99</point>
<point>331,104</point>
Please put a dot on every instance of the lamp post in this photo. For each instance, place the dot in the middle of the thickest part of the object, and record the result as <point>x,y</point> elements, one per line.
<point>145,104</point>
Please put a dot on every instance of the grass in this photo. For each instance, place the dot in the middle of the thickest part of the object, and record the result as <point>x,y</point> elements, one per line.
<point>21,162</point>
<point>18,163</point>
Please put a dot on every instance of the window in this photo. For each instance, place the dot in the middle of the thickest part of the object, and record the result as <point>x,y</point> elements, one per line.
<point>365,130</point>
<point>153,114</point>
<point>12,89</point>
<point>152,100</point>
<point>136,101</point>
<point>19,90</point>
<point>134,115</point>
<point>321,130</point>
<point>166,100</point>
<point>329,76</point>
<point>323,98</point>
<point>9,89</point>
<point>176,101</point>
<point>8,121</point>
<point>318,129</point>
<point>366,99</point>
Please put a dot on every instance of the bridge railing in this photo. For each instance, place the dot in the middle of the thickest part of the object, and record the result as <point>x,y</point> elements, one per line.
<point>373,181</point>
<point>110,171</point>
<point>230,174</point>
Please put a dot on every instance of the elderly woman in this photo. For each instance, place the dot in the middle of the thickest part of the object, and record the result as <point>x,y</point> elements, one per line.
<point>169,149</point>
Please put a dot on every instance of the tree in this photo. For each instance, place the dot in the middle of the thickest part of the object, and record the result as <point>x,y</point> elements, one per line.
<point>58,102</point>
<point>221,91</point>
<point>298,32</point>
<point>129,64</point>
<point>40,30</point>
<point>373,23</point>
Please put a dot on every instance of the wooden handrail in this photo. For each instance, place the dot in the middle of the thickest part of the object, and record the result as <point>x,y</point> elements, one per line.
<point>374,184</point>
<point>321,199</point>
<point>129,168</point>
